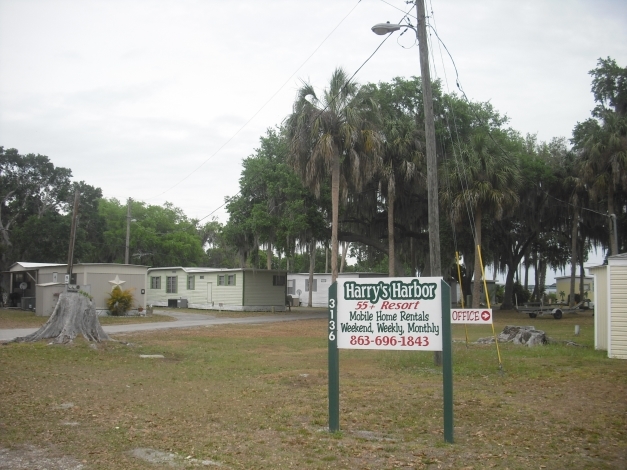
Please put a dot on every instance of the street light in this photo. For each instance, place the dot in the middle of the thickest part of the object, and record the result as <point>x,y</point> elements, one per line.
<point>384,28</point>
<point>432,165</point>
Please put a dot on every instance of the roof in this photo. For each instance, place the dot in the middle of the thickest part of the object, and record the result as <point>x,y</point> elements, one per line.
<point>347,274</point>
<point>29,265</point>
<point>198,270</point>
<point>110,264</point>
<point>576,277</point>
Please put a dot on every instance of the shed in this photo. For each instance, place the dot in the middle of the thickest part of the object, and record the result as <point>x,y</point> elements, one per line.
<point>239,289</point>
<point>610,312</point>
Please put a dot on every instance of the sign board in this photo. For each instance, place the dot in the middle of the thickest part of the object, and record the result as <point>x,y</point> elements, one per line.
<point>389,313</point>
<point>472,316</point>
<point>411,314</point>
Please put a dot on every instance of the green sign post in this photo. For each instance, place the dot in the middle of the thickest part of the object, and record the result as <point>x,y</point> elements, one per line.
<point>409,314</point>
<point>334,363</point>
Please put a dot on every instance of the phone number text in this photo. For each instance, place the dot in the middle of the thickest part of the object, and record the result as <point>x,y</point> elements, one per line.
<point>405,341</point>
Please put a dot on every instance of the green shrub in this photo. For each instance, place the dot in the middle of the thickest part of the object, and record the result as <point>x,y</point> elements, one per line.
<point>521,293</point>
<point>120,301</point>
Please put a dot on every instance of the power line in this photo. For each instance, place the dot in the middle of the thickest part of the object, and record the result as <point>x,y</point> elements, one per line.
<point>260,109</point>
<point>334,98</point>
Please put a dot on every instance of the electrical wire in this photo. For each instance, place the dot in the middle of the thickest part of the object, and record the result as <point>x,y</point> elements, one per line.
<point>459,163</point>
<point>334,97</point>
<point>258,111</point>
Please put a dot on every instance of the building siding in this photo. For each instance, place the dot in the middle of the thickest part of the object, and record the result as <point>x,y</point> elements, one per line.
<point>320,297</point>
<point>618,318</point>
<point>228,296</point>
<point>601,311</point>
<point>100,287</point>
<point>160,296</point>
<point>562,283</point>
<point>94,278</point>
<point>253,290</point>
<point>260,290</point>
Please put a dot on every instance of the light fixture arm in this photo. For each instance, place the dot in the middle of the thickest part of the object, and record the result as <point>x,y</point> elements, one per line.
<point>386,28</point>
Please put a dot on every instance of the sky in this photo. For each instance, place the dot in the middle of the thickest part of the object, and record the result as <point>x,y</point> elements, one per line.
<point>161,100</point>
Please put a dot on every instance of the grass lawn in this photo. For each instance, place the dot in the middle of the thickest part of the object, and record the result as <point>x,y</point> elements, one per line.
<point>255,397</point>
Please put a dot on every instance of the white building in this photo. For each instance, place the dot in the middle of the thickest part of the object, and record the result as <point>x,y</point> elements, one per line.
<point>610,312</point>
<point>217,289</point>
<point>298,286</point>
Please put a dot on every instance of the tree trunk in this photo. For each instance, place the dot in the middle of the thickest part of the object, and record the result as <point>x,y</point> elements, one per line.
<point>610,210</point>
<point>412,257</point>
<point>476,288</point>
<point>345,246</point>
<point>287,253</point>
<point>269,256</point>
<point>312,267</point>
<point>542,276</point>
<point>582,278</point>
<point>335,207</point>
<point>74,314</point>
<point>536,277</point>
<point>326,259</point>
<point>573,257</point>
<point>391,189</point>
<point>509,289</point>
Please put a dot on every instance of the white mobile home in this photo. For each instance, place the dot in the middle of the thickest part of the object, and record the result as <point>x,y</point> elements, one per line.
<point>298,286</point>
<point>217,289</point>
<point>610,311</point>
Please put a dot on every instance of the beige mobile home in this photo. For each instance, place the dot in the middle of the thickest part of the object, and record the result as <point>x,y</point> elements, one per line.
<point>217,289</point>
<point>43,282</point>
<point>610,312</point>
<point>562,284</point>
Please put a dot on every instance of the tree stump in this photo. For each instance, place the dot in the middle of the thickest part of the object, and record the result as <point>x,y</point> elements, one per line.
<point>74,314</point>
<point>524,335</point>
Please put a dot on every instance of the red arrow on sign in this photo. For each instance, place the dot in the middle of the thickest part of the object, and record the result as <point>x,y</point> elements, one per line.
<point>485,315</point>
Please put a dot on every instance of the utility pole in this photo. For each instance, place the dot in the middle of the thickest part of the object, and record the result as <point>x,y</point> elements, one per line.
<point>432,162</point>
<point>70,256</point>
<point>128,229</point>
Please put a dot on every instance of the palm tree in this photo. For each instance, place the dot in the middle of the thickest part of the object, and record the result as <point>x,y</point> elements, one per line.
<point>484,181</point>
<point>601,141</point>
<point>333,134</point>
<point>603,153</point>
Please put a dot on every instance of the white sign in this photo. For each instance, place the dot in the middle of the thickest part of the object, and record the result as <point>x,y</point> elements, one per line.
<point>474,316</point>
<point>390,313</point>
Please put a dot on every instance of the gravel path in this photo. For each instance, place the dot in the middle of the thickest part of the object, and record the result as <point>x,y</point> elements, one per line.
<point>183,320</point>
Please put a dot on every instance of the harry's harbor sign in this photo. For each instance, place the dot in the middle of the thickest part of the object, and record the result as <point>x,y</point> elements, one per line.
<point>409,314</point>
<point>397,313</point>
